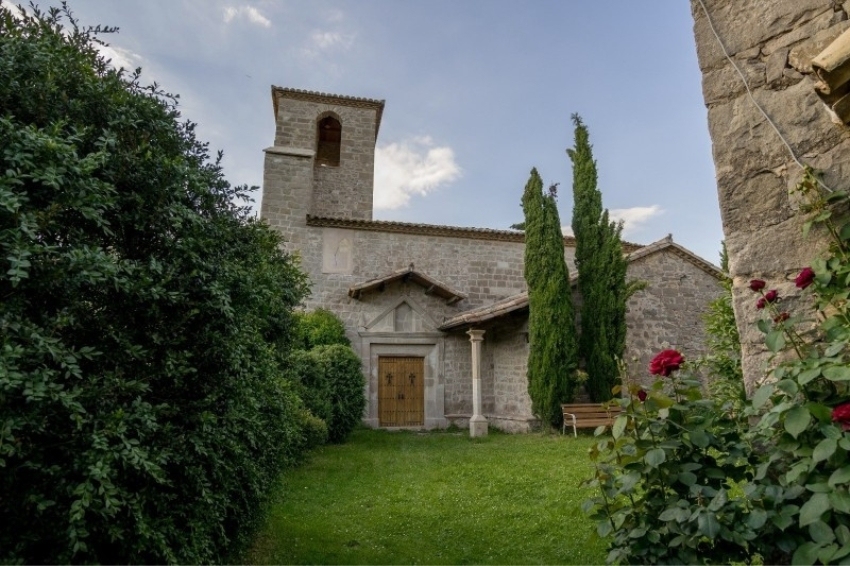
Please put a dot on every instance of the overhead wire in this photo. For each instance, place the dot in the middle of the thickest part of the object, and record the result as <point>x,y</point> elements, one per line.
<point>802,165</point>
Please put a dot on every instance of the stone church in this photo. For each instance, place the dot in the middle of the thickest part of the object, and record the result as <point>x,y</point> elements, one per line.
<point>438,314</point>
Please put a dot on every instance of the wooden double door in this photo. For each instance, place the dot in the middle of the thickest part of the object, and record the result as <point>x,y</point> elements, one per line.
<point>401,391</point>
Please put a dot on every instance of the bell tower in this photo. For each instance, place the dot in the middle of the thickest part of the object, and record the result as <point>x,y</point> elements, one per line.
<point>322,162</point>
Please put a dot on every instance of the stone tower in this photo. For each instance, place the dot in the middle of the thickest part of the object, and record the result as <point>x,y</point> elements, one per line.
<point>322,161</point>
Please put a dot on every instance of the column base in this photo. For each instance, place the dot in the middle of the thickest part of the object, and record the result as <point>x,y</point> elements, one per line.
<point>477,426</point>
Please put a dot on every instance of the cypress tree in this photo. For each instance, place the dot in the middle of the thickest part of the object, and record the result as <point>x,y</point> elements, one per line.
<point>601,273</point>
<point>551,326</point>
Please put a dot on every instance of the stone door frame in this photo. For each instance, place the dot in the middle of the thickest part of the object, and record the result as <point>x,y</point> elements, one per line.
<point>427,345</point>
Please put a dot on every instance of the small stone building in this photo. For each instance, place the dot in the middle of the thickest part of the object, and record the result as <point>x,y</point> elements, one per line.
<point>439,314</point>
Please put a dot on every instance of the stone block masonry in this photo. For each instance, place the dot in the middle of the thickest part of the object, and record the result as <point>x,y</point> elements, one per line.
<point>772,42</point>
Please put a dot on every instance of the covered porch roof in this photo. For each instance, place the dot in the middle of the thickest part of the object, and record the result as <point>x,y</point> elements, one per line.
<point>513,304</point>
<point>431,285</point>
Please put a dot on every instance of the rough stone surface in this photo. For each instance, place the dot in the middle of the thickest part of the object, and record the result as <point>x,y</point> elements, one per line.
<point>754,167</point>
<point>669,312</point>
<point>344,191</point>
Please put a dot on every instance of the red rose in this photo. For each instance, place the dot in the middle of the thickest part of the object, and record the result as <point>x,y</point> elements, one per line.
<point>841,414</point>
<point>761,303</point>
<point>757,285</point>
<point>781,317</point>
<point>642,395</point>
<point>665,362</point>
<point>805,278</point>
<point>771,295</point>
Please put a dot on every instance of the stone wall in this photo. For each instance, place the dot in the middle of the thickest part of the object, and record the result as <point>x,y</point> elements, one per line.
<point>772,42</point>
<point>669,312</point>
<point>286,207</point>
<point>512,404</point>
<point>485,270</point>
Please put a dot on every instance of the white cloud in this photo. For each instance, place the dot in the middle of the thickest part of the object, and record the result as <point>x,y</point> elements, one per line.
<point>120,57</point>
<point>17,13</point>
<point>412,167</point>
<point>330,39</point>
<point>321,42</point>
<point>634,218</point>
<point>567,231</point>
<point>248,13</point>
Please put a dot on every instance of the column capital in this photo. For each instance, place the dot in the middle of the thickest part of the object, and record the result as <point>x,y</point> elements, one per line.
<point>475,335</point>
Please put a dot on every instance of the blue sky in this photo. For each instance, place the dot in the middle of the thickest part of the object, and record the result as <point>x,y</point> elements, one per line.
<point>477,93</point>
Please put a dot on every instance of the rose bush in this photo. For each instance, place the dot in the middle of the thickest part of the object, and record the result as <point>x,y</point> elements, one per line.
<point>681,480</point>
<point>805,278</point>
<point>667,474</point>
<point>666,362</point>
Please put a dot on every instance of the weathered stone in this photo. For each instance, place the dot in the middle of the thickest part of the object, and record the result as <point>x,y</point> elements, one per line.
<point>745,25</point>
<point>726,83</point>
<point>800,57</point>
<point>755,168</point>
<point>800,33</point>
<point>775,66</point>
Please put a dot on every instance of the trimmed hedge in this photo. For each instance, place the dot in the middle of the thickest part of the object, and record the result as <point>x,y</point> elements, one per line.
<point>342,370</point>
<point>330,381</point>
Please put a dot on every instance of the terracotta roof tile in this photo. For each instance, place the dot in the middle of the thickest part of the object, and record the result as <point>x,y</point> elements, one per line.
<point>478,315</point>
<point>323,97</point>
<point>431,285</point>
<point>436,230</point>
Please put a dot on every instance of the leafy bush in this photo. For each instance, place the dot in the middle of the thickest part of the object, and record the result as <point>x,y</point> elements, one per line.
<point>670,477</point>
<point>143,413</point>
<point>723,362</point>
<point>319,327</point>
<point>683,481</point>
<point>343,372</point>
<point>311,383</point>
<point>328,375</point>
<point>314,430</point>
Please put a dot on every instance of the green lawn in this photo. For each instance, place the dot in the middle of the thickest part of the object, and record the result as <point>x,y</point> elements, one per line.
<point>434,498</point>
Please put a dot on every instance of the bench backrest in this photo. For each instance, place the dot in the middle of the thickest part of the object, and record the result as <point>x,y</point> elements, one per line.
<point>594,411</point>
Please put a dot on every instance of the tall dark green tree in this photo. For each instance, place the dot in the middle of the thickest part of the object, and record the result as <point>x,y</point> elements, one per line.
<point>601,273</point>
<point>551,326</point>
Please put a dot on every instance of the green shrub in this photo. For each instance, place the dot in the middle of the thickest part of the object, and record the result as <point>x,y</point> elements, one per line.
<point>143,414</point>
<point>342,370</point>
<point>314,430</point>
<point>669,475</point>
<point>311,382</point>
<point>320,327</point>
<point>723,360</point>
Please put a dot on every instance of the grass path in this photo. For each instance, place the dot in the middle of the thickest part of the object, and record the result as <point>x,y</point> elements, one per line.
<point>434,498</point>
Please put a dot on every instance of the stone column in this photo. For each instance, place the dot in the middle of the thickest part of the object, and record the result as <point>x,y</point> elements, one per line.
<point>477,424</point>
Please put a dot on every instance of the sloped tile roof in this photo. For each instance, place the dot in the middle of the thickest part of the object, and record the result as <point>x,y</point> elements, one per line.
<point>514,303</point>
<point>431,285</point>
<point>668,244</point>
<point>518,302</point>
<point>327,98</point>
<point>436,230</point>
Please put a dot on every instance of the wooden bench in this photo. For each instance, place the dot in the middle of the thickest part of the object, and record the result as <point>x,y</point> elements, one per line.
<point>589,415</point>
